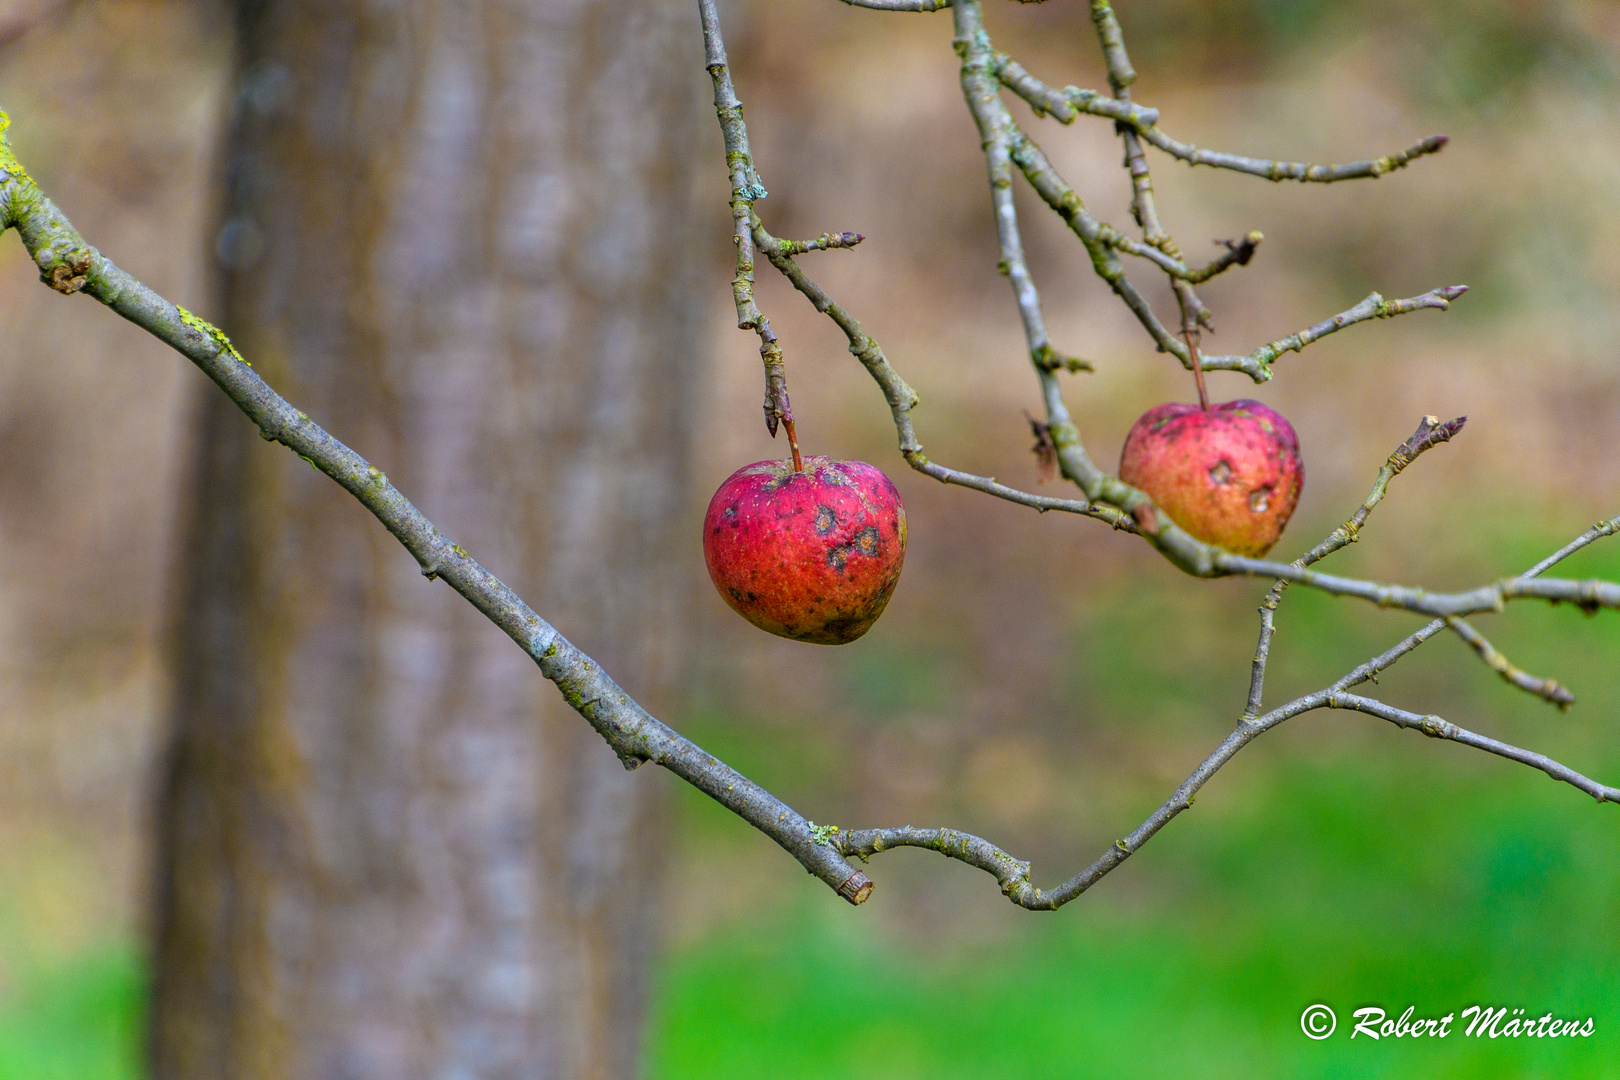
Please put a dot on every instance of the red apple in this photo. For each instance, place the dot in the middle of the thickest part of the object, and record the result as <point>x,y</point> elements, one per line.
<point>1229,475</point>
<point>811,555</point>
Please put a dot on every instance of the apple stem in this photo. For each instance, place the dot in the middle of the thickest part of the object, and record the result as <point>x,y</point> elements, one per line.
<point>1198,368</point>
<point>793,444</point>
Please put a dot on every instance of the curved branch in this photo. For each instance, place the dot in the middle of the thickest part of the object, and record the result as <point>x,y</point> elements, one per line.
<point>1013,874</point>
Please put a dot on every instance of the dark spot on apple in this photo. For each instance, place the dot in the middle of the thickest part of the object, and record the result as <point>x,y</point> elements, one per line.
<point>835,557</point>
<point>736,594</point>
<point>1260,499</point>
<point>1221,473</point>
<point>825,519</point>
<point>867,540</point>
<point>844,627</point>
<point>731,511</point>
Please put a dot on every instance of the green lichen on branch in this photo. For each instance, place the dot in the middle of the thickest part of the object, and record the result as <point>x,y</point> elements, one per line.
<point>825,835</point>
<point>8,160</point>
<point>203,326</point>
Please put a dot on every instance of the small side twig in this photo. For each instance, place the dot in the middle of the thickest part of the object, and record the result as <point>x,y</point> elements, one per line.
<point>824,242</point>
<point>1065,104</point>
<point>1437,728</point>
<point>746,189</point>
<point>1257,365</point>
<point>1430,432</point>
<point>1546,689</point>
<point>900,5</point>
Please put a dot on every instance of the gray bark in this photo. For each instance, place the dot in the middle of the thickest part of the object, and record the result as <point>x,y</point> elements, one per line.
<point>457,235</point>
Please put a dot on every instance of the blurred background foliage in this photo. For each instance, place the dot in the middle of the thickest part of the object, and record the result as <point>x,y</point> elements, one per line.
<point>1037,680</point>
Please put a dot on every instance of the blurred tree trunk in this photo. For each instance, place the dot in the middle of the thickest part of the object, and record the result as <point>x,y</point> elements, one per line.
<point>455,234</point>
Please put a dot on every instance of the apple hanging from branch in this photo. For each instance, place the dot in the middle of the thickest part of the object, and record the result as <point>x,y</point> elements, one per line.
<point>1229,475</point>
<point>812,555</point>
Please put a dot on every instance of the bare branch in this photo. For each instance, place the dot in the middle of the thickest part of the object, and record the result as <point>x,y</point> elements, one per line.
<point>1587,595</point>
<point>1257,365</point>
<point>1120,72</point>
<point>1040,97</point>
<point>988,485</point>
<point>1546,689</point>
<point>1194,313</point>
<point>1065,104</point>
<point>746,189</point>
<point>901,5</point>
<point>1436,728</point>
<point>1013,874</point>
<point>1382,662</point>
<point>1291,170</point>
<point>902,398</point>
<point>1099,239</point>
<point>824,242</point>
<point>1237,253</point>
<point>70,265</point>
<point>1431,432</point>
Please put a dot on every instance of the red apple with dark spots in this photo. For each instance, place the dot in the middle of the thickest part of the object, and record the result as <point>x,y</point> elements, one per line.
<point>1229,475</point>
<point>811,555</point>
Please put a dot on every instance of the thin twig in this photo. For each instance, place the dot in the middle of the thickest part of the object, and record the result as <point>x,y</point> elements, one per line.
<point>1257,365</point>
<point>900,5</point>
<point>746,189</point>
<point>1436,728</point>
<point>1293,170</point>
<point>1546,689</point>
<point>1013,874</point>
<point>903,399</point>
<point>1065,104</point>
<point>1371,669</point>
<point>1431,432</point>
<point>1194,313</point>
<point>825,242</point>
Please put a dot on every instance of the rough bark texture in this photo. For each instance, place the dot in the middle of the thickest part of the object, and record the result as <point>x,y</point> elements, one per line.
<point>453,233</point>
